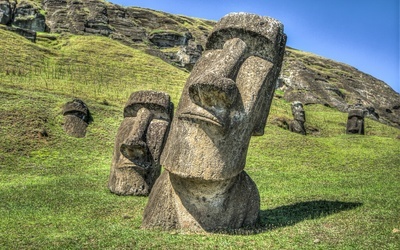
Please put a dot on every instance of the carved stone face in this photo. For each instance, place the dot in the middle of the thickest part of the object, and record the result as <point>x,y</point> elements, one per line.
<point>226,99</point>
<point>355,121</point>
<point>76,118</point>
<point>139,141</point>
<point>298,112</point>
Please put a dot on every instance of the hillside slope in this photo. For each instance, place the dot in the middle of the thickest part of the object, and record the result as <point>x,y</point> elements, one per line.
<point>327,190</point>
<point>179,40</point>
<point>313,79</point>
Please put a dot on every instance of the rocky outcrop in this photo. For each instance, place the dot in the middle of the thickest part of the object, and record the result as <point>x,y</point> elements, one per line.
<point>28,16</point>
<point>6,11</point>
<point>167,39</point>
<point>129,25</point>
<point>312,79</point>
<point>22,17</point>
<point>28,34</point>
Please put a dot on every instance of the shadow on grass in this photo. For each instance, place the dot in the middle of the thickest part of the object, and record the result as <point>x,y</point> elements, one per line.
<point>291,214</point>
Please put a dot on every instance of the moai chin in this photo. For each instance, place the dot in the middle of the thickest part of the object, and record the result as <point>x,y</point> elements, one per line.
<point>76,118</point>
<point>355,120</point>
<point>299,116</point>
<point>225,101</point>
<point>140,139</point>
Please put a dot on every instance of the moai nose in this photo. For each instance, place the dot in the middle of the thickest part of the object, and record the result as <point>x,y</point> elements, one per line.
<point>218,93</point>
<point>216,87</point>
<point>134,146</point>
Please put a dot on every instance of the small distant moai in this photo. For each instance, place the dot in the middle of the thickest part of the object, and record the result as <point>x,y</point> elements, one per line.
<point>76,118</point>
<point>299,116</point>
<point>355,120</point>
<point>225,101</point>
<point>140,139</point>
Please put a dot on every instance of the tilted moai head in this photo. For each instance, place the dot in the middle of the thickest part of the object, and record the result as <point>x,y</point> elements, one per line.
<point>355,120</point>
<point>299,116</point>
<point>139,142</point>
<point>226,98</point>
<point>76,118</point>
<point>225,101</point>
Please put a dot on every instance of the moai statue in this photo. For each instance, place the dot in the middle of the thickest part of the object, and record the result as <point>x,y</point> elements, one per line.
<point>76,118</point>
<point>140,139</point>
<point>225,101</point>
<point>299,116</point>
<point>355,120</point>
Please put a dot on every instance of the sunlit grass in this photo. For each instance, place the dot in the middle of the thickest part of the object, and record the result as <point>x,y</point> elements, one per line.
<point>326,190</point>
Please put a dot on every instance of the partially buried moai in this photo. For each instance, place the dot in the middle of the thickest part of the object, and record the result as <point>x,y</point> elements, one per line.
<point>76,118</point>
<point>140,138</point>
<point>225,101</point>
<point>299,118</point>
<point>355,120</point>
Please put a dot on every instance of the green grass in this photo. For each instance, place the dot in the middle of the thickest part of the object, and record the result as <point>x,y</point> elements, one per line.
<point>327,190</point>
<point>86,66</point>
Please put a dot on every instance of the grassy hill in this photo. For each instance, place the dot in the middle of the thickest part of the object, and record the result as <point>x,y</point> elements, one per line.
<point>324,190</point>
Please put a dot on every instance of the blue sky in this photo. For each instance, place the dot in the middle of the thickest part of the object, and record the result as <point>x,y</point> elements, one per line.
<point>361,33</point>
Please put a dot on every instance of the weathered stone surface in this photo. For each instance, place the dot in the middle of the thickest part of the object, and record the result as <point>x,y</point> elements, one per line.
<point>297,125</point>
<point>167,39</point>
<point>76,118</point>
<point>27,16</point>
<point>188,55</point>
<point>129,25</point>
<point>139,142</point>
<point>6,11</point>
<point>225,101</point>
<point>355,120</point>
<point>28,34</point>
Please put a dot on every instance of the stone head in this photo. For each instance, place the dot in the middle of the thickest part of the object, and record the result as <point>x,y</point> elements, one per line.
<point>226,98</point>
<point>139,142</point>
<point>355,120</point>
<point>298,111</point>
<point>76,118</point>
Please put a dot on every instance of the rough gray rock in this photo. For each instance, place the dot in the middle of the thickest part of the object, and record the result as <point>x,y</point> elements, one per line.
<point>28,34</point>
<point>225,101</point>
<point>167,39</point>
<point>188,55</point>
<point>27,16</point>
<point>139,142</point>
<point>6,11</point>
